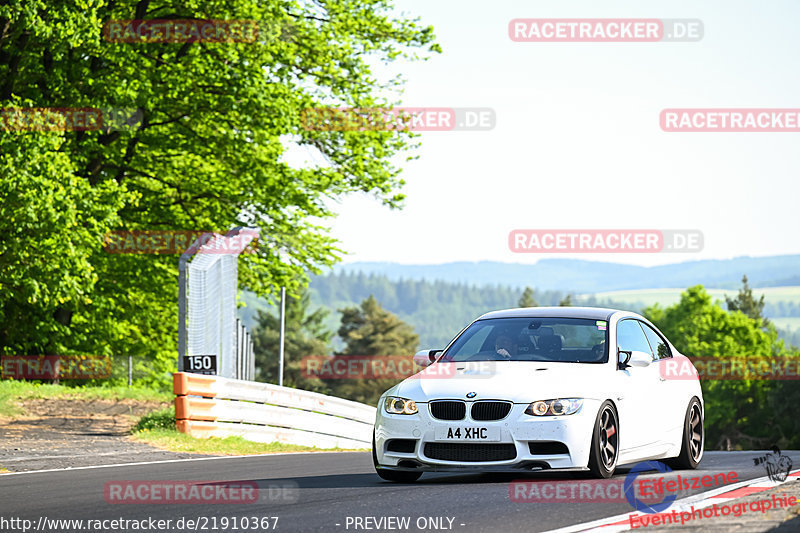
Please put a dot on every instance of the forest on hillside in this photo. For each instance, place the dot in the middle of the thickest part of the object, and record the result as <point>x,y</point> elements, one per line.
<point>436,309</point>
<point>439,309</point>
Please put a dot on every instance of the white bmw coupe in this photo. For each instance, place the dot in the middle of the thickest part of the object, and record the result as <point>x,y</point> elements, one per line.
<point>540,388</point>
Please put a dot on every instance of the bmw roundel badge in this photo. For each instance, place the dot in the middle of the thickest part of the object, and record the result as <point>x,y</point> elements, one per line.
<point>471,394</point>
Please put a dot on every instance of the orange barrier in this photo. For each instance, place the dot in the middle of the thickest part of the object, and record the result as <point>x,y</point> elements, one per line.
<point>214,406</point>
<point>196,429</point>
<point>184,384</point>
<point>190,410</point>
<point>194,408</point>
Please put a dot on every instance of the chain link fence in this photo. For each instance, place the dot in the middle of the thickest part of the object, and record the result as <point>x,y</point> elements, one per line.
<point>207,313</point>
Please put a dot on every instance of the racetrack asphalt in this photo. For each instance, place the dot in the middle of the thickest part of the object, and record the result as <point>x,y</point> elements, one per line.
<point>327,492</point>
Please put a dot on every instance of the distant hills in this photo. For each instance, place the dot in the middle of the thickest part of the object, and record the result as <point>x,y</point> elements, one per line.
<point>582,276</point>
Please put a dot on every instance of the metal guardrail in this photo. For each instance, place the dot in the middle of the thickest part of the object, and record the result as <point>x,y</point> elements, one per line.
<point>213,406</point>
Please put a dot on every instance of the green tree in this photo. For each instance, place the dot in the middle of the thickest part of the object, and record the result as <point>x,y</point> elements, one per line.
<point>747,303</point>
<point>211,124</point>
<point>371,331</point>
<point>527,299</point>
<point>738,413</point>
<point>783,404</point>
<point>305,335</point>
<point>566,301</point>
<point>50,220</point>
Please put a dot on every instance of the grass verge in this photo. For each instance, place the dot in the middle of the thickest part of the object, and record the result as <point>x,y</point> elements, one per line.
<point>13,391</point>
<point>158,429</point>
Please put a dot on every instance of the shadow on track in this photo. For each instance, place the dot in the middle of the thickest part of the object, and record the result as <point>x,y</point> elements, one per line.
<point>428,479</point>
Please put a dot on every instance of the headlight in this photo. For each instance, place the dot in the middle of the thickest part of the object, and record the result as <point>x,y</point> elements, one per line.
<point>561,406</point>
<point>400,406</point>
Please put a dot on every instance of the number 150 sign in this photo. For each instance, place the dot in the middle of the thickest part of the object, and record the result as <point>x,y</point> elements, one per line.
<point>200,364</point>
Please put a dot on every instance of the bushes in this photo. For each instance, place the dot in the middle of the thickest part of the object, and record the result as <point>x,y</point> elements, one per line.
<point>162,419</point>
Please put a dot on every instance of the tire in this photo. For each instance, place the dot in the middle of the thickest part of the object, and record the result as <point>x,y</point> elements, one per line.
<point>398,476</point>
<point>605,442</point>
<point>692,438</point>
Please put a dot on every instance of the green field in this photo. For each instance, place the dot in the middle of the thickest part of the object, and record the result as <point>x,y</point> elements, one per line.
<point>665,297</point>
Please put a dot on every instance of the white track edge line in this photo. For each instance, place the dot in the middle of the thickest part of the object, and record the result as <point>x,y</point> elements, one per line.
<point>93,467</point>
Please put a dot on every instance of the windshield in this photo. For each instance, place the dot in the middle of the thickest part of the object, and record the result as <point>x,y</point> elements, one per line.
<point>569,340</point>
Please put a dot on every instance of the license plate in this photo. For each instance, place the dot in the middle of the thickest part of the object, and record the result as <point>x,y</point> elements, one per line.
<point>467,434</point>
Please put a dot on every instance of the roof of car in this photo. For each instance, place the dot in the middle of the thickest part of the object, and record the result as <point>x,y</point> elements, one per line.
<point>592,313</point>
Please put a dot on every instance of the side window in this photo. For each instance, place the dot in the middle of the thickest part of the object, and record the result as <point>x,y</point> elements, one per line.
<point>630,337</point>
<point>659,346</point>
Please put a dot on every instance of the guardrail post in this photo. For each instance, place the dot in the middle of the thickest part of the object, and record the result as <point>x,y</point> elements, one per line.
<point>280,348</point>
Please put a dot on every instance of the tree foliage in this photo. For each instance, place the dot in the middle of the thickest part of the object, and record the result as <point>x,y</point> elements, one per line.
<point>369,330</point>
<point>747,303</point>
<point>213,129</point>
<point>527,299</point>
<point>738,413</point>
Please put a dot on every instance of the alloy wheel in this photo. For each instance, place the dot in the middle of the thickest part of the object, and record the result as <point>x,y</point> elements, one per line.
<point>696,432</point>
<point>608,438</point>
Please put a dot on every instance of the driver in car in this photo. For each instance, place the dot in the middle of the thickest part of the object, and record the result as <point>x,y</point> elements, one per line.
<point>505,346</point>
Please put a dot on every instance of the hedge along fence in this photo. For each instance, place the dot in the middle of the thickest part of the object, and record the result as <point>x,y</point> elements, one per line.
<point>213,406</point>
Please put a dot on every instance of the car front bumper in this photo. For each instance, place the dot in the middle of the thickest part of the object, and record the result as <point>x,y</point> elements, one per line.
<point>532,438</point>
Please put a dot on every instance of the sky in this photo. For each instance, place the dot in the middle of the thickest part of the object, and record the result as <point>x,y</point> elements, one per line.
<point>577,142</point>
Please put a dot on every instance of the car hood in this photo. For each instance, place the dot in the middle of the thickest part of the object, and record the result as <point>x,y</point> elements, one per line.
<point>518,381</point>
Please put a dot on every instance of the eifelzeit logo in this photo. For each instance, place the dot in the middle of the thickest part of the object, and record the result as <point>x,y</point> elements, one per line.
<point>777,465</point>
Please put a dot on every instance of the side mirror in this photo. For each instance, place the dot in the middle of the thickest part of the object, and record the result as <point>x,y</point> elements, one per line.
<point>425,357</point>
<point>633,358</point>
<point>622,359</point>
<point>640,359</point>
